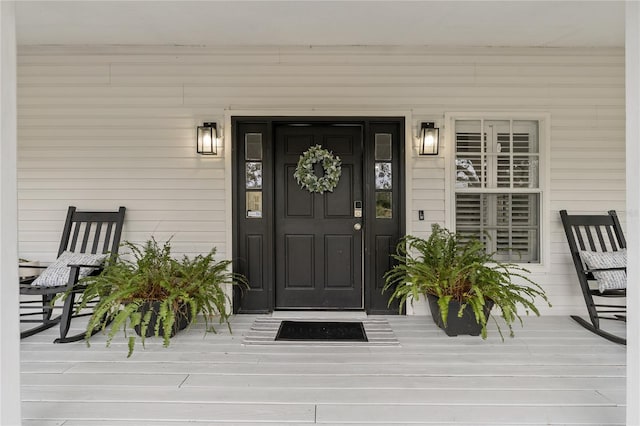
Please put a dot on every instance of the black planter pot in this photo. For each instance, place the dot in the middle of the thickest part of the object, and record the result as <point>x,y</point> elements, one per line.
<point>183,319</point>
<point>466,324</point>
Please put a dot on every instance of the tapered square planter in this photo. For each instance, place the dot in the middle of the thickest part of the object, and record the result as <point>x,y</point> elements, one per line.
<point>182,320</point>
<point>466,324</point>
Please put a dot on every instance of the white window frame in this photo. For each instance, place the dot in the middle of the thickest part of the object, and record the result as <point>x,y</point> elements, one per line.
<point>544,133</point>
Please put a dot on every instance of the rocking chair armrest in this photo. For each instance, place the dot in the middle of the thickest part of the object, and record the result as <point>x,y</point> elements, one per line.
<point>619,268</point>
<point>80,265</point>
<point>74,273</point>
<point>33,266</point>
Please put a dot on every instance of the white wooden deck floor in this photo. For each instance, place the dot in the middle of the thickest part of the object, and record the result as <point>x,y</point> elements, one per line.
<point>552,372</point>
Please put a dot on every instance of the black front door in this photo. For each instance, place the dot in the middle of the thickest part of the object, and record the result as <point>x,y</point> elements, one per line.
<point>318,248</point>
<point>300,250</point>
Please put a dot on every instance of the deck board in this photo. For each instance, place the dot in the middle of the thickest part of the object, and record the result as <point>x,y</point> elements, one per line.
<point>489,414</point>
<point>552,372</point>
<point>340,396</point>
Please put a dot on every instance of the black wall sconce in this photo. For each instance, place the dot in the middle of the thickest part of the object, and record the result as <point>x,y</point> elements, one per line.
<point>207,139</point>
<point>429,139</point>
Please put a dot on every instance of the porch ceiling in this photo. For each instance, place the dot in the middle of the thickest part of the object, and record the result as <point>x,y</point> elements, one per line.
<point>239,22</point>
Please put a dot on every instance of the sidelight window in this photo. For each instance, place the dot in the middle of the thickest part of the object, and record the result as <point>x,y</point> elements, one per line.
<point>253,175</point>
<point>383,176</point>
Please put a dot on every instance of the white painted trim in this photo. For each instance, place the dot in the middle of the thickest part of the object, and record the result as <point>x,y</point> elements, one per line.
<point>544,134</point>
<point>632,65</point>
<point>544,118</point>
<point>224,149</point>
<point>409,151</point>
<point>9,295</point>
<point>409,147</point>
<point>316,112</point>
<point>228,183</point>
<point>449,178</point>
<point>448,171</point>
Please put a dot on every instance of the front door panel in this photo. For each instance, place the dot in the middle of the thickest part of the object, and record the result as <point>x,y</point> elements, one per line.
<point>318,253</point>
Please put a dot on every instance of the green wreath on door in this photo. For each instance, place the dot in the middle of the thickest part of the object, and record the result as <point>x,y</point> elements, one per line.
<point>306,177</point>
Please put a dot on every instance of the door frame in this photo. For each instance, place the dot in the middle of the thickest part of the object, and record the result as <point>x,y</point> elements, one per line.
<point>268,122</point>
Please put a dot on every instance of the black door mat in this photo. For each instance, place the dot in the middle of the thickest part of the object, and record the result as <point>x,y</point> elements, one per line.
<point>264,329</point>
<point>322,330</point>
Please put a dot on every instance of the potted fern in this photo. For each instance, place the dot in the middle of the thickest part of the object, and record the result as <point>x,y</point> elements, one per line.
<point>154,294</point>
<point>461,281</point>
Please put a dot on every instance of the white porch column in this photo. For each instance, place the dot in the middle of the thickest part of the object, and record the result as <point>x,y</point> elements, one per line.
<point>9,297</point>
<point>632,84</point>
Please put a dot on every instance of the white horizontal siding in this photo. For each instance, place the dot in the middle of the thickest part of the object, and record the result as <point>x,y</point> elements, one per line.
<point>106,126</point>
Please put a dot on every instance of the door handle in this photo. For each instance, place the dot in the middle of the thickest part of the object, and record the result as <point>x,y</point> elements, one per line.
<point>357,226</point>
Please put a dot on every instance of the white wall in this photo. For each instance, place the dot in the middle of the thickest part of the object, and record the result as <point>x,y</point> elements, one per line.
<point>632,83</point>
<point>106,126</point>
<point>9,326</point>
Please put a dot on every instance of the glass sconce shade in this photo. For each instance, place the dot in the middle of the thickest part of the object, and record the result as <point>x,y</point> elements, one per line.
<point>429,139</point>
<point>207,139</point>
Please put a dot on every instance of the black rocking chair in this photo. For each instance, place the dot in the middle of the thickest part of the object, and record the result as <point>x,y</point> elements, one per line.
<point>85,233</point>
<point>596,233</point>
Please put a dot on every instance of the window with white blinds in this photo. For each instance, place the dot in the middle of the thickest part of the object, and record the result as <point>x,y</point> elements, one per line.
<point>497,186</point>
